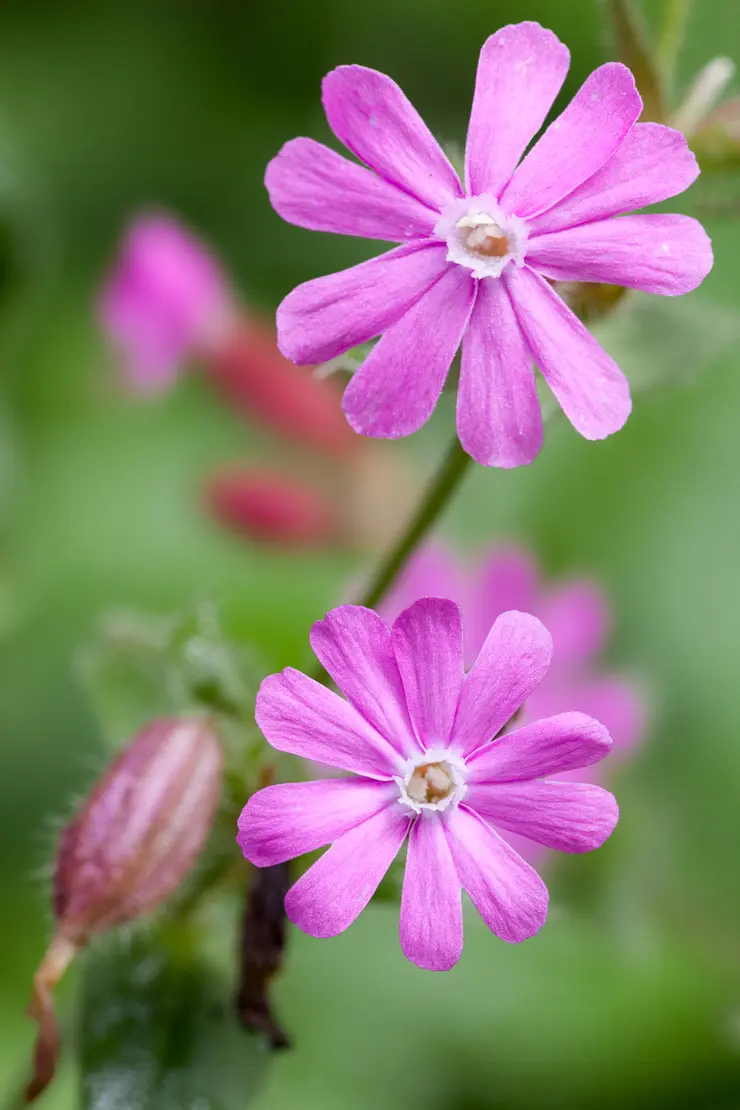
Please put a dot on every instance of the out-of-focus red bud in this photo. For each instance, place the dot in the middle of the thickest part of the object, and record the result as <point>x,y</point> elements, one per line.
<point>249,371</point>
<point>133,841</point>
<point>269,507</point>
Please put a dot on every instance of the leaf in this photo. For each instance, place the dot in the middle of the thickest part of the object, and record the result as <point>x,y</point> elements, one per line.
<point>159,1029</point>
<point>632,49</point>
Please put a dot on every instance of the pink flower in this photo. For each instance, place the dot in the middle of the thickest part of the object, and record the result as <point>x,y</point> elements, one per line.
<point>416,732</point>
<point>164,301</point>
<point>475,264</point>
<point>576,612</point>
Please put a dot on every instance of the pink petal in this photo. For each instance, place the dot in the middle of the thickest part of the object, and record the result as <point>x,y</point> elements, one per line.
<point>613,700</point>
<point>520,72</point>
<point>285,821</point>
<point>652,164</point>
<point>542,748</point>
<point>335,890</point>
<point>354,645</point>
<point>577,144</point>
<point>324,318</point>
<point>376,121</point>
<point>506,580</point>
<point>498,411</point>
<point>591,389</point>
<point>507,893</point>
<point>669,255</point>
<point>428,645</point>
<point>430,572</point>
<point>314,187</point>
<point>395,390</point>
<point>568,816</point>
<point>512,663</point>
<point>300,716</point>
<point>578,617</point>
<point>431,910</point>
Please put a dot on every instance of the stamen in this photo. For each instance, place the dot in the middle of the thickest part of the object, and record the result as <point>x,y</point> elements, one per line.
<point>431,782</point>
<point>485,236</point>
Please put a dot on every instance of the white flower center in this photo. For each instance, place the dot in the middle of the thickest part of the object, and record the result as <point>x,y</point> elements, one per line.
<point>432,782</point>
<point>481,237</point>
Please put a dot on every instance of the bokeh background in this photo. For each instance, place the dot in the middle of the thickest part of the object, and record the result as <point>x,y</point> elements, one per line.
<point>631,994</point>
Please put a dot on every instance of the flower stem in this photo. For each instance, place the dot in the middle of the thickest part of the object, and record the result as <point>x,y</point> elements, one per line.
<point>435,499</point>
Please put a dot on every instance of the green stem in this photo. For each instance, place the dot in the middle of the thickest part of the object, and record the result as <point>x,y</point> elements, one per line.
<point>443,485</point>
<point>670,40</point>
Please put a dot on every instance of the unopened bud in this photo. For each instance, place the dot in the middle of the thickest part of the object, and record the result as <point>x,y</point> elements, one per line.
<point>249,372</point>
<point>134,840</point>
<point>705,92</point>
<point>268,507</point>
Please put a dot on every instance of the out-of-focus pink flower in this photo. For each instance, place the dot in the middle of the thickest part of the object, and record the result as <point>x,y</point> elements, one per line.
<point>252,375</point>
<point>416,733</point>
<point>267,506</point>
<point>475,262</point>
<point>165,300</point>
<point>133,841</point>
<point>576,612</point>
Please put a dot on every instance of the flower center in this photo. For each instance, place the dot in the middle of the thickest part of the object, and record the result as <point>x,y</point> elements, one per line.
<point>433,782</point>
<point>481,237</point>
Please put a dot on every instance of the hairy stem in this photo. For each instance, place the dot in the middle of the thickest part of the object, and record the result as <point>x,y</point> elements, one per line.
<point>434,501</point>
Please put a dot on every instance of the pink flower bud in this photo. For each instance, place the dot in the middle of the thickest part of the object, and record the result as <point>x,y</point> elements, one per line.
<point>249,371</point>
<point>164,300</point>
<point>266,506</point>
<point>133,841</point>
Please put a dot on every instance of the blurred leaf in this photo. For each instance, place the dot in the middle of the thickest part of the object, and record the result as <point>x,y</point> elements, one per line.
<point>159,1029</point>
<point>632,49</point>
<point>143,666</point>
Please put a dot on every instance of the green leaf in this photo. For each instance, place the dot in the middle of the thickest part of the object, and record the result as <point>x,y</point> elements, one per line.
<point>632,49</point>
<point>159,1029</point>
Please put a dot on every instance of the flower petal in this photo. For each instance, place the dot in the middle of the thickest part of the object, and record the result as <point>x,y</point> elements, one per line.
<point>300,716</point>
<point>428,645</point>
<point>354,645</point>
<point>520,72</point>
<point>506,580</point>
<point>577,144</point>
<point>653,163</point>
<point>431,908</point>
<point>430,572</point>
<point>375,120</point>
<point>589,386</point>
<point>285,821</point>
<point>612,699</point>
<point>314,187</point>
<point>507,893</point>
<point>541,748</point>
<point>512,662</point>
<point>498,411</point>
<point>669,255</point>
<point>325,317</point>
<point>335,890</point>
<point>568,816</point>
<point>578,617</point>
<point>395,390</point>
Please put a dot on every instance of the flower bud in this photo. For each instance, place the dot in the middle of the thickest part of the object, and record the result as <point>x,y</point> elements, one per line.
<point>268,507</point>
<point>165,300</point>
<point>250,373</point>
<point>131,844</point>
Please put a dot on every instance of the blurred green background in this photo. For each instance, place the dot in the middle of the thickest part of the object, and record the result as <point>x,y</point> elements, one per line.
<point>631,995</point>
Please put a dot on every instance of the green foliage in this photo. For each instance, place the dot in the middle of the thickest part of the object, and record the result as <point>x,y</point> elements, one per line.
<point>159,1029</point>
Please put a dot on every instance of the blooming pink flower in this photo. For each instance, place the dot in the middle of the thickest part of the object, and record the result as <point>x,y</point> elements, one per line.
<point>475,264</point>
<point>164,300</point>
<point>416,731</point>
<point>576,612</point>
